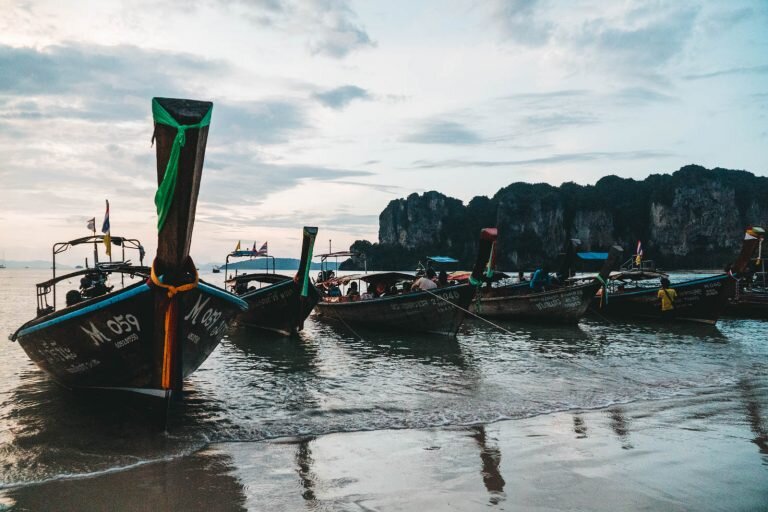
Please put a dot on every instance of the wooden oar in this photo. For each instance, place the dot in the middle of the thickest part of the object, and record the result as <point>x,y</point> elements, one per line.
<point>181,133</point>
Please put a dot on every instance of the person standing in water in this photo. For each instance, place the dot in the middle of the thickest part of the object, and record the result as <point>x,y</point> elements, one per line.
<point>667,296</point>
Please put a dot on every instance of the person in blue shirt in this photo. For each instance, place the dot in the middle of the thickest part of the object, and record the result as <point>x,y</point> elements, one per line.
<point>540,279</point>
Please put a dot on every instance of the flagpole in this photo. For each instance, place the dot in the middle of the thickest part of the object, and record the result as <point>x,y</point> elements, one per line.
<point>95,246</point>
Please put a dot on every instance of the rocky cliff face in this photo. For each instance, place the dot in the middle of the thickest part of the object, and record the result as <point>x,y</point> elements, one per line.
<point>694,217</point>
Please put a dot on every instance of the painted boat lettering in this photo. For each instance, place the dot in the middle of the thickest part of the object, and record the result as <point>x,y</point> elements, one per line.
<point>96,335</point>
<point>82,367</point>
<point>123,324</point>
<point>125,341</point>
<point>197,309</point>
<point>118,324</point>
<point>55,353</point>
<point>194,338</point>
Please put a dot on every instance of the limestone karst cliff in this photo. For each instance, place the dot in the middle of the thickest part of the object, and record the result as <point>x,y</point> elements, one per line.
<point>694,217</point>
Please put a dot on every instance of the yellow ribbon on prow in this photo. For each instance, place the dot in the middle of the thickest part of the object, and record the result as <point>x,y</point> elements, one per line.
<point>170,314</point>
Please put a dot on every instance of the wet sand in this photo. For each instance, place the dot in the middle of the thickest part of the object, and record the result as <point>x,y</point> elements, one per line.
<point>704,452</point>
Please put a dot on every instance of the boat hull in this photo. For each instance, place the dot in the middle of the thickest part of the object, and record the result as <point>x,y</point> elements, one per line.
<point>562,305</point>
<point>278,307</point>
<point>699,300</point>
<point>111,342</point>
<point>439,311</point>
<point>748,305</point>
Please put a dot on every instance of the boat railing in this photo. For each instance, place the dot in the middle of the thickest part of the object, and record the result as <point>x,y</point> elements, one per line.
<point>45,288</point>
<point>631,264</point>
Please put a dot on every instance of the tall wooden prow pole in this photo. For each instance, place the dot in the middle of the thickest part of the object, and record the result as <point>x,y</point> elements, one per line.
<point>181,133</point>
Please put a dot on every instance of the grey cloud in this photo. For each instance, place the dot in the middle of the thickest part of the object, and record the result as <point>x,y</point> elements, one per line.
<point>334,27</point>
<point>241,178</point>
<point>522,22</point>
<point>261,122</point>
<point>554,159</point>
<point>547,122</point>
<point>443,132</point>
<point>641,95</point>
<point>534,98</point>
<point>85,69</point>
<point>340,97</point>
<point>648,44</point>
<point>750,70</point>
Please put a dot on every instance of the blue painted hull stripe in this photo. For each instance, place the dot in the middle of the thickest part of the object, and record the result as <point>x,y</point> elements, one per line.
<point>87,310</point>
<point>223,294</point>
<point>682,284</point>
<point>125,296</point>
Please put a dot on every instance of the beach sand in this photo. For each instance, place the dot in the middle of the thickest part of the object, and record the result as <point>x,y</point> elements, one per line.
<point>704,452</point>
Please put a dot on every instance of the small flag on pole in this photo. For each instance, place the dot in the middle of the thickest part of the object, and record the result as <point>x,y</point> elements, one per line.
<point>639,253</point>
<point>92,224</point>
<point>105,230</point>
<point>263,250</point>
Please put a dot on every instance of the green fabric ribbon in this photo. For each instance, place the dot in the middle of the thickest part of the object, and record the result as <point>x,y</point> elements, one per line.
<point>305,277</point>
<point>166,190</point>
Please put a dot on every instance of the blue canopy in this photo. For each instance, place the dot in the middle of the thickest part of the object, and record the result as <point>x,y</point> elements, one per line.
<point>592,255</point>
<point>442,259</point>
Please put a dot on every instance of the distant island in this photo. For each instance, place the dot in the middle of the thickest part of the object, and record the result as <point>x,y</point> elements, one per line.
<point>692,218</point>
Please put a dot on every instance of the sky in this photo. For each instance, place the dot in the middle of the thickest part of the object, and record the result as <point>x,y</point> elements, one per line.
<point>326,110</point>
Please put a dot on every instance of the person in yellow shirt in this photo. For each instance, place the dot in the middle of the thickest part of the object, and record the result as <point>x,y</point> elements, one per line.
<point>667,295</point>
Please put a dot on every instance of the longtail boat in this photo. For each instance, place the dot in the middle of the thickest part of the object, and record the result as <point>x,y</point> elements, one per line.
<point>560,302</point>
<point>749,297</point>
<point>148,336</point>
<point>438,310</point>
<point>276,302</point>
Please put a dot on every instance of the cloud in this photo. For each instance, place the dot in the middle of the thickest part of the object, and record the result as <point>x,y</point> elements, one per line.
<point>554,159</point>
<point>334,28</point>
<point>340,97</point>
<point>641,95</point>
<point>443,132</point>
<point>752,70</point>
<point>242,178</point>
<point>646,39</point>
<point>77,68</point>
<point>522,22</point>
<point>548,122</point>
<point>259,122</point>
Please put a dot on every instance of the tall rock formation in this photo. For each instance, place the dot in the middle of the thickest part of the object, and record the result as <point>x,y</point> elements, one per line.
<point>694,217</point>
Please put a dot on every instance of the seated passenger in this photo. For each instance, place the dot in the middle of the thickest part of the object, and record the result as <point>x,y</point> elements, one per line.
<point>334,291</point>
<point>442,279</point>
<point>426,282</point>
<point>540,280</point>
<point>352,291</point>
<point>370,292</point>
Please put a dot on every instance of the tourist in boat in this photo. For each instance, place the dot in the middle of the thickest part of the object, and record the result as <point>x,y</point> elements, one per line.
<point>442,279</point>
<point>353,293</point>
<point>667,296</point>
<point>521,276</point>
<point>540,279</point>
<point>426,282</point>
<point>334,291</point>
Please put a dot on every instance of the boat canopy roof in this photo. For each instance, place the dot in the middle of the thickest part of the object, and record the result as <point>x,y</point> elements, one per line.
<point>463,275</point>
<point>442,259</point>
<point>90,239</point>
<point>248,254</point>
<point>260,277</point>
<point>592,255</point>
<point>337,254</point>
<point>374,277</point>
<point>636,275</point>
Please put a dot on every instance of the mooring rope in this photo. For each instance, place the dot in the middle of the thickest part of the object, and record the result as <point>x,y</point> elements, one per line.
<point>470,313</point>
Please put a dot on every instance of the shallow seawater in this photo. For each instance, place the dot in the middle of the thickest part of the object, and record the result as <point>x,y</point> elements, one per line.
<point>258,386</point>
